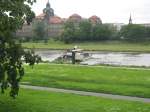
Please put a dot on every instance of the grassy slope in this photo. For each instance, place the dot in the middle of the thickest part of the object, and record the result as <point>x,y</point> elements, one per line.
<point>98,79</point>
<point>39,101</point>
<point>103,46</point>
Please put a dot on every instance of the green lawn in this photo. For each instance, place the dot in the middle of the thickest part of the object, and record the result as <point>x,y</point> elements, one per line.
<point>41,101</point>
<point>123,81</point>
<point>102,46</point>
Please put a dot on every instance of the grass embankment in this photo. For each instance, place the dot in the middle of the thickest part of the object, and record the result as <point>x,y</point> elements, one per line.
<point>101,46</point>
<point>121,81</point>
<point>42,101</point>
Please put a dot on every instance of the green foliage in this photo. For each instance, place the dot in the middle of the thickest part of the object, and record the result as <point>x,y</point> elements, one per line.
<point>134,32</point>
<point>102,32</point>
<point>85,28</point>
<point>69,32</point>
<point>12,16</point>
<point>40,30</point>
<point>86,31</point>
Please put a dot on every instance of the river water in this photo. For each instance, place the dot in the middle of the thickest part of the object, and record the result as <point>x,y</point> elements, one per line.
<point>109,58</point>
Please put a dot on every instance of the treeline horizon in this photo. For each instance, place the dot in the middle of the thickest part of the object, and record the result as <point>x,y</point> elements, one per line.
<point>86,31</point>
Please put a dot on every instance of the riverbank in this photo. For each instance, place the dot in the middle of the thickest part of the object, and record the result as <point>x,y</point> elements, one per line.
<point>113,80</point>
<point>114,46</point>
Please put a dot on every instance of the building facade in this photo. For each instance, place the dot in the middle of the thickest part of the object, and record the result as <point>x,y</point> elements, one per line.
<point>54,24</point>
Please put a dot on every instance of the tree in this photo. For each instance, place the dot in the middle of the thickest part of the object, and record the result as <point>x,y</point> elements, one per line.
<point>40,30</point>
<point>102,32</point>
<point>86,31</point>
<point>134,32</point>
<point>13,13</point>
<point>69,32</point>
<point>85,28</point>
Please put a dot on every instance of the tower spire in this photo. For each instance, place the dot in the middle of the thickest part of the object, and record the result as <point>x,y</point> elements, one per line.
<point>49,12</point>
<point>48,4</point>
<point>130,19</point>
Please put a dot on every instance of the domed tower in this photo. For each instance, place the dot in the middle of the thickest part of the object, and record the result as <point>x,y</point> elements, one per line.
<point>48,11</point>
<point>95,20</point>
<point>75,18</point>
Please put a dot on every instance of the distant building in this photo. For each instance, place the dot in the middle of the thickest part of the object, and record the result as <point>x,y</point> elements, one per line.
<point>117,26</point>
<point>145,24</point>
<point>25,32</point>
<point>54,23</point>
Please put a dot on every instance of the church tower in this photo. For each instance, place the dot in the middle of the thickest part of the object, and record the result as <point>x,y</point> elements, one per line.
<point>130,19</point>
<point>48,11</point>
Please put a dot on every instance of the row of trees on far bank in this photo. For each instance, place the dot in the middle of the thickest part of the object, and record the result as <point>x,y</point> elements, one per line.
<point>135,32</point>
<point>85,31</point>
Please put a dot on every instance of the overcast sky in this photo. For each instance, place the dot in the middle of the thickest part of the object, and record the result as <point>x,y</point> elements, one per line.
<point>109,11</point>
